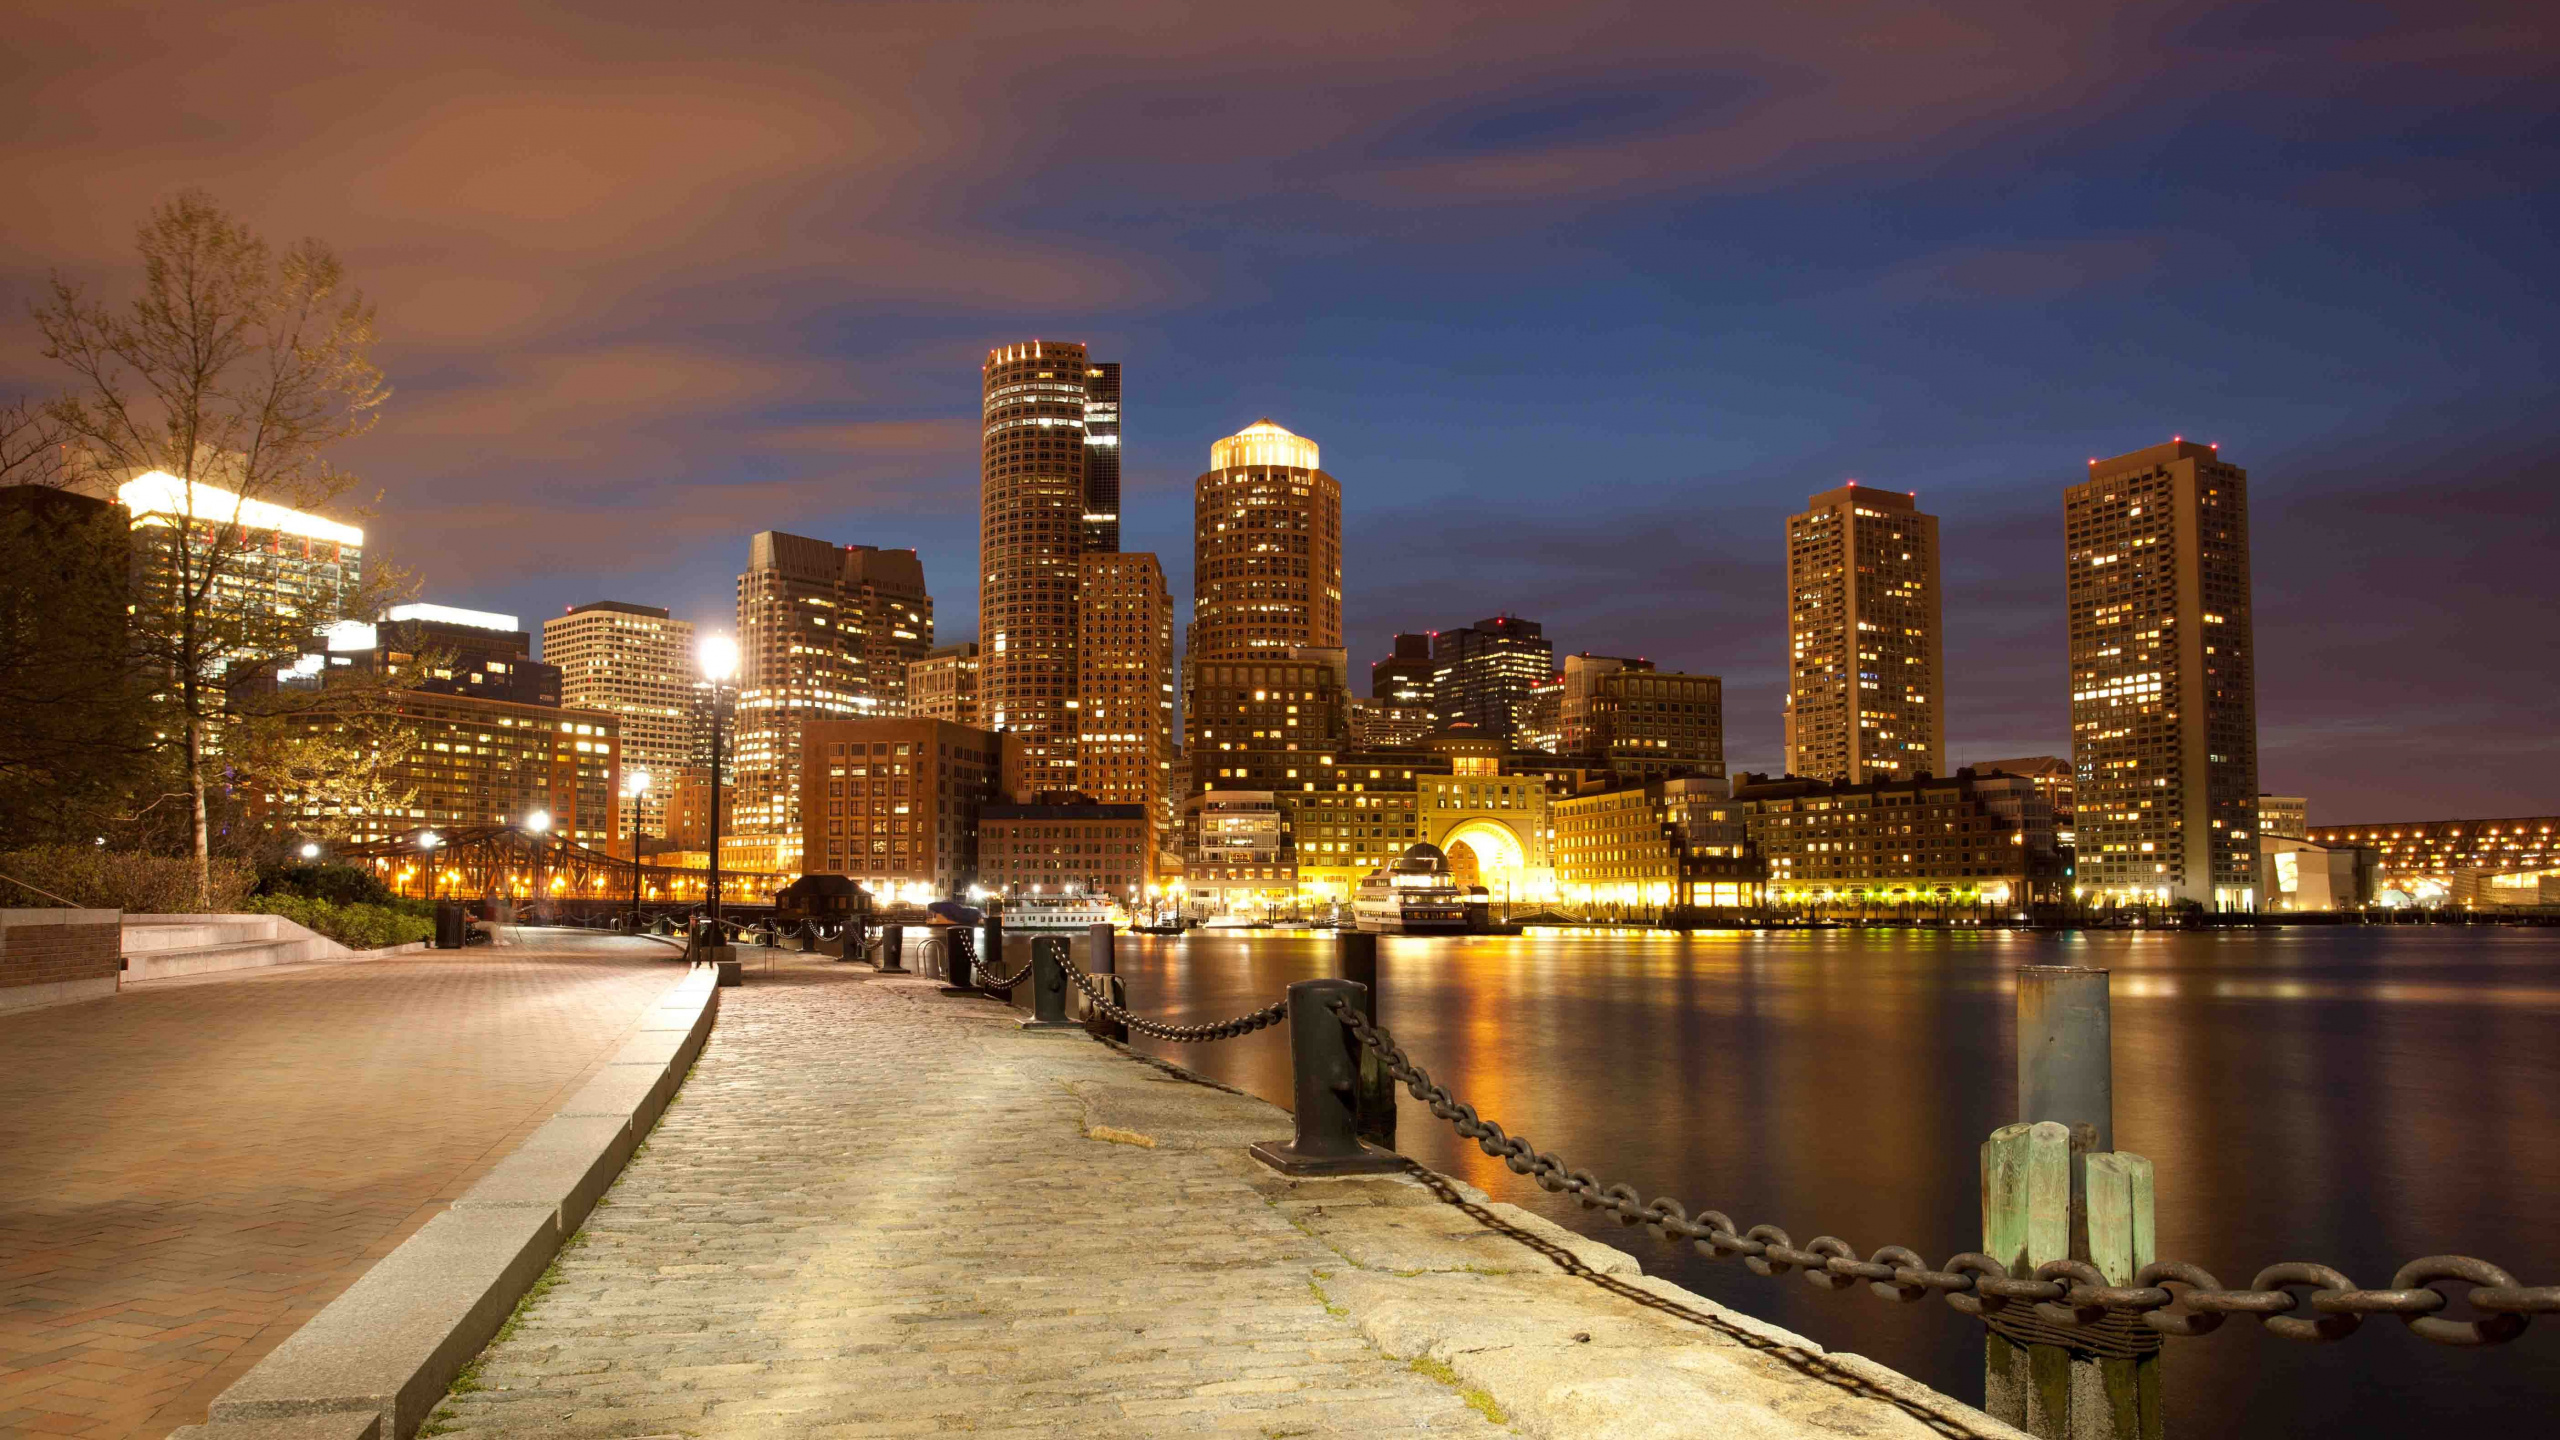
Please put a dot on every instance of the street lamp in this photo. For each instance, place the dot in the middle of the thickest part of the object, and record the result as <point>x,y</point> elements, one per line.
<point>428,840</point>
<point>636,785</point>
<point>310,851</point>
<point>718,657</point>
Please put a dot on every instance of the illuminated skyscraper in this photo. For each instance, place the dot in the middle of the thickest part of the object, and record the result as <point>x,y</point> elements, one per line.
<point>2164,708</point>
<point>1866,670</point>
<point>944,685</point>
<point>1124,696</point>
<point>634,663</point>
<point>1483,673</point>
<point>1033,475</point>
<point>1266,548</point>
<point>1102,457</point>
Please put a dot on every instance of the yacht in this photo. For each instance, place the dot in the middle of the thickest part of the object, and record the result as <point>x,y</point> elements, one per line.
<point>1416,895</point>
<point>1058,912</point>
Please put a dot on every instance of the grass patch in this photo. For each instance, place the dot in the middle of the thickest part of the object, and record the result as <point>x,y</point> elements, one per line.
<point>467,1380</point>
<point>1322,1298</point>
<point>1477,1400</point>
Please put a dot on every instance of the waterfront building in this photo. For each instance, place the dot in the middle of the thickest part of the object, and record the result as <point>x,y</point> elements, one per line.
<point>1963,840</point>
<point>1482,673</point>
<point>1649,841</point>
<point>1257,722</point>
<point>1866,668</point>
<point>2422,859</point>
<point>825,632</point>
<point>1237,852</point>
<point>1639,720</point>
<point>1102,457</point>
<point>1266,548</point>
<point>895,803</point>
<point>1489,814</point>
<point>1124,687</point>
<point>2052,775</point>
<point>635,663</point>
<point>2164,714</point>
<point>944,684</point>
<point>1066,843</point>
<point>1035,465</point>
<point>2302,875</point>
<point>2284,815</point>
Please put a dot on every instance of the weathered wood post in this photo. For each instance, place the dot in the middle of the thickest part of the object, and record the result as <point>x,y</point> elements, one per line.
<point>2055,1188</point>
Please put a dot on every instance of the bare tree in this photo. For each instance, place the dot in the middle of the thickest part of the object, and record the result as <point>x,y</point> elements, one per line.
<point>233,371</point>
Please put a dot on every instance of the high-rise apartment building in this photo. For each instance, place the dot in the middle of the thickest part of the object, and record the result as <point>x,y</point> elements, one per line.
<point>1124,692</point>
<point>1866,664</point>
<point>1640,720</point>
<point>1035,464</point>
<point>635,663</point>
<point>825,632</point>
<point>1102,456</point>
<point>1266,548</point>
<point>944,684</point>
<point>1261,722</point>
<point>1483,673</point>
<point>2164,713</point>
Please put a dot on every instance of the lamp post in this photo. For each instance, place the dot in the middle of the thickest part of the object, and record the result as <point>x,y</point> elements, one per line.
<point>718,657</point>
<point>538,906</point>
<point>427,842</point>
<point>635,785</point>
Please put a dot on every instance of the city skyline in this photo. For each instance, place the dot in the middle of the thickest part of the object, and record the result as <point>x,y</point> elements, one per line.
<point>1738,266</point>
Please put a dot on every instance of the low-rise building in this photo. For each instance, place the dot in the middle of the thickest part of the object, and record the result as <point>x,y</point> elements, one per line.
<point>896,804</point>
<point>1238,854</point>
<point>1965,841</point>
<point>2300,875</point>
<point>2420,858</point>
<point>1065,843</point>
<point>1655,843</point>
<point>2052,775</point>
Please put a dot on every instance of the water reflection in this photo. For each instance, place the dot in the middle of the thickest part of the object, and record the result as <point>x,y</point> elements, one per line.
<point>2359,1097</point>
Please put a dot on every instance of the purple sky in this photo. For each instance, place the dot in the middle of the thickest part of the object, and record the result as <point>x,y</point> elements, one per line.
<point>1580,301</point>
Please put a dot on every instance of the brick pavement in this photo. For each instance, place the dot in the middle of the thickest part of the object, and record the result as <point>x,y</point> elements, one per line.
<point>873,1211</point>
<point>194,1167</point>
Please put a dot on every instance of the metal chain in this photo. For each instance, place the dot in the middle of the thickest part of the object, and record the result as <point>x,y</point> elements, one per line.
<point>2063,1293</point>
<point>1268,1015</point>
<point>1005,982</point>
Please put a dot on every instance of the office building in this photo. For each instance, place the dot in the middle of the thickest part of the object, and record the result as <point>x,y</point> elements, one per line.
<point>1866,672</point>
<point>825,632</point>
<point>1404,677</point>
<point>439,649</point>
<point>1542,716</point>
<point>1966,841</point>
<point>1102,457</point>
<point>1482,673</point>
<point>1034,467</point>
<point>2052,775</point>
<point>1639,720</point>
<point>944,684</point>
<point>2423,859</point>
<point>2164,716</point>
<point>1387,724</point>
<point>1066,843</point>
<point>894,803</point>
<point>635,663</point>
<point>1238,855</point>
<point>1266,548</point>
<point>2284,815</point>
<point>1124,688</point>
<point>277,573</point>
<point>467,761</point>
<point>1258,722</point>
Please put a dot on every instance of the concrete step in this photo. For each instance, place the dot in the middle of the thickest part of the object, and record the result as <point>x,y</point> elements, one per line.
<point>157,947</point>
<point>151,935</point>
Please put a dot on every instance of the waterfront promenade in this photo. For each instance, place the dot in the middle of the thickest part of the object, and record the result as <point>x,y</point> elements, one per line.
<point>196,1166</point>
<point>876,1210</point>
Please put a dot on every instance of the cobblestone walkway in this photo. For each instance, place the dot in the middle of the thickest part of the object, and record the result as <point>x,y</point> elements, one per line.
<point>874,1211</point>
<point>191,1169</point>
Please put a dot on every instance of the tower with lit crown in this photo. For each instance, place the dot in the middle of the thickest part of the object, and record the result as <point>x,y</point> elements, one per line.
<point>1266,548</point>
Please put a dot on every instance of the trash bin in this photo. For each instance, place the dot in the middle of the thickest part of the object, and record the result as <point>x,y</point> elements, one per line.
<point>453,925</point>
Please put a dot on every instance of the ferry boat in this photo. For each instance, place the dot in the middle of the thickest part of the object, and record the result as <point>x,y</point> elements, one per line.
<point>1414,896</point>
<point>1058,912</point>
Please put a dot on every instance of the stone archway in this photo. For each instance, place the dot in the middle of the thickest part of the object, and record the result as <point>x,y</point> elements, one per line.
<point>1464,869</point>
<point>1494,853</point>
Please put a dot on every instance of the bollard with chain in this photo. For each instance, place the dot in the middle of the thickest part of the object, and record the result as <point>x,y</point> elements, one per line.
<point>1048,984</point>
<point>1356,960</point>
<point>959,965</point>
<point>1326,1138</point>
<point>893,940</point>
<point>1105,971</point>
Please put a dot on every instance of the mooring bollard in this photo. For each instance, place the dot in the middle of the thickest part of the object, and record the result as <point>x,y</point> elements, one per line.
<point>1048,984</point>
<point>893,940</point>
<point>1104,967</point>
<point>1327,1074</point>
<point>2054,1188</point>
<point>959,962</point>
<point>1356,960</point>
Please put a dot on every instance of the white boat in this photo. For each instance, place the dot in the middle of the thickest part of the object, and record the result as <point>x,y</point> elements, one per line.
<point>1057,912</point>
<point>1416,895</point>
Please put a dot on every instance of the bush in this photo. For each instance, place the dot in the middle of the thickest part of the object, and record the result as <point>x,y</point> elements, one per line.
<point>337,884</point>
<point>94,877</point>
<point>358,927</point>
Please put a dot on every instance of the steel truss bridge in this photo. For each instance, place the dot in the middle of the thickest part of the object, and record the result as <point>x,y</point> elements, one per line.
<point>536,866</point>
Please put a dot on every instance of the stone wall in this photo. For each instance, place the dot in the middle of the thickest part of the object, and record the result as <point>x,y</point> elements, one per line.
<point>50,957</point>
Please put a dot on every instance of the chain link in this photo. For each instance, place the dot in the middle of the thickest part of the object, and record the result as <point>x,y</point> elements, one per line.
<point>2061,1295</point>
<point>1267,1016</point>
<point>1003,982</point>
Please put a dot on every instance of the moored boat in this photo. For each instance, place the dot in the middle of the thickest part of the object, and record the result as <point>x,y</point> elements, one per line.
<point>1415,895</point>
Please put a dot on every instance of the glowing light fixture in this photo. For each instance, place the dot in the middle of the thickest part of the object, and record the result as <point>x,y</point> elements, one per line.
<point>1263,443</point>
<point>718,657</point>
<point>538,821</point>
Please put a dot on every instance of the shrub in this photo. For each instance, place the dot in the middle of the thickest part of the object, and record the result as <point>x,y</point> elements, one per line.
<point>358,927</point>
<point>96,877</point>
<point>337,884</point>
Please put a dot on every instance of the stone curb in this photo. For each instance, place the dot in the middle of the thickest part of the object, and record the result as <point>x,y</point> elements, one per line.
<point>379,1358</point>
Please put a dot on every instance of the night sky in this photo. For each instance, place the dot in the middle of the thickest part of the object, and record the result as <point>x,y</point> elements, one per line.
<point>1580,301</point>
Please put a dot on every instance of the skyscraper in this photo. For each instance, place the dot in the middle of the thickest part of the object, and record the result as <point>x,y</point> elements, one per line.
<point>1102,456</point>
<point>825,631</point>
<point>1404,677</point>
<point>1033,474</point>
<point>2164,710</point>
<point>1124,693</point>
<point>635,663</point>
<point>1266,548</point>
<point>944,685</point>
<point>1483,673</point>
<point>1866,672</point>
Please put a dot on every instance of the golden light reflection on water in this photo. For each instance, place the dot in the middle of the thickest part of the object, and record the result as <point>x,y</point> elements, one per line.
<point>2356,1097</point>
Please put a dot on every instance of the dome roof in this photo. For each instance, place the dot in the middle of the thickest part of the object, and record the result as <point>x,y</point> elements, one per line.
<point>1263,443</point>
<point>1423,858</point>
